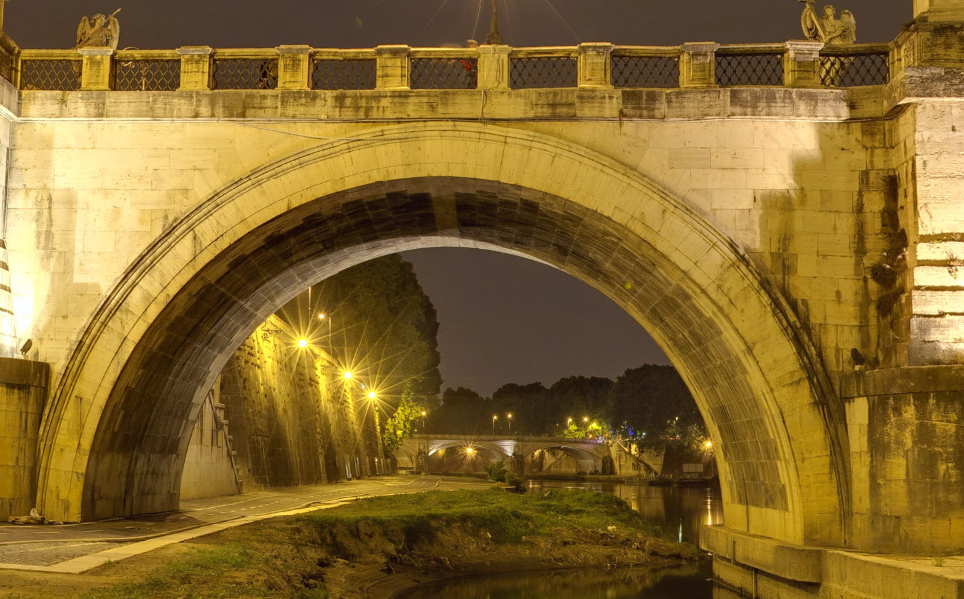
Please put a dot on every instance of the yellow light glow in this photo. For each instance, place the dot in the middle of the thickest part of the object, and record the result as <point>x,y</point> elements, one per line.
<point>347,375</point>
<point>585,419</point>
<point>495,418</point>
<point>423,412</point>
<point>302,343</point>
<point>371,395</point>
<point>469,450</point>
<point>708,444</point>
<point>509,415</point>
<point>321,317</point>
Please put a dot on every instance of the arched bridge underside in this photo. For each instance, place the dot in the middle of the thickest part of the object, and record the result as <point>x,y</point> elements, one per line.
<point>153,348</point>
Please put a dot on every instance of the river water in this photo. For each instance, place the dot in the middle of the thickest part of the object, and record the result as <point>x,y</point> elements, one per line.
<point>679,511</point>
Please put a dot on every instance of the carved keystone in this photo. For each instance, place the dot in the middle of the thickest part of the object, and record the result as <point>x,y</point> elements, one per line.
<point>494,67</point>
<point>195,67</point>
<point>294,67</point>
<point>96,73</point>
<point>595,65</point>
<point>697,64</point>
<point>394,67</point>
<point>801,64</point>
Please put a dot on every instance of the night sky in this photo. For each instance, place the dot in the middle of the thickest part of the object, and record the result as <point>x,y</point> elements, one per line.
<point>503,319</point>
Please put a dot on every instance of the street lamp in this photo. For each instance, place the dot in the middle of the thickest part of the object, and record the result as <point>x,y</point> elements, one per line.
<point>324,316</point>
<point>510,423</point>
<point>371,395</point>
<point>568,423</point>
<point>347,375</point>
<point>302,343</point>
<point>423,421</point>
<point>494,418</point>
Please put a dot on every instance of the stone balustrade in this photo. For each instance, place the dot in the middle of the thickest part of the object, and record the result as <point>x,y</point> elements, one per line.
<point>589,65</point>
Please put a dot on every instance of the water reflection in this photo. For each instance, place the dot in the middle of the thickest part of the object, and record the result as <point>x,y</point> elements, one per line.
<point>634,583</point>
<point>679,511</point>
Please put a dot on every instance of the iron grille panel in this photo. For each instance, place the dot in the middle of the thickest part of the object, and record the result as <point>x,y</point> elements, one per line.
<point>343,74</point>
<point>445,73</point>
<point>6,65</point>
<point>55,75</point>
<point>554,71</point>
<point>854,70</point>
<point>147,75</point>
<point>245,73</point>
<point>749,69</point>
<point>646,71</point>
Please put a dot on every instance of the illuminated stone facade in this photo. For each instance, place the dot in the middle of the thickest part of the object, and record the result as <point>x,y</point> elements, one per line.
<point>792,247</point>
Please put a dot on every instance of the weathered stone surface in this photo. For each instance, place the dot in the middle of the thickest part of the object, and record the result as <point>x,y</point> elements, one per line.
<point>770,238</point>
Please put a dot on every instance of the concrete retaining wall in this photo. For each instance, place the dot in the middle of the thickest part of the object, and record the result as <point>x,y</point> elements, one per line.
<point>279,416</point>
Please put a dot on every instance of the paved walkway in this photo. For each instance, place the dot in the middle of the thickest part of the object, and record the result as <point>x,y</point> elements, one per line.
<point>75,548</point>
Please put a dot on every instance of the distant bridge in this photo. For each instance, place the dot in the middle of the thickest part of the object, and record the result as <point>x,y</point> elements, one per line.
<point>433,453</point>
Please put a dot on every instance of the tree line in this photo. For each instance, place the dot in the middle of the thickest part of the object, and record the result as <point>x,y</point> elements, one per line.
<point>648,403</point>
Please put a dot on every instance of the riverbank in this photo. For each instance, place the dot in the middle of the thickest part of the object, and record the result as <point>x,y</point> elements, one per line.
<point>379,546</point>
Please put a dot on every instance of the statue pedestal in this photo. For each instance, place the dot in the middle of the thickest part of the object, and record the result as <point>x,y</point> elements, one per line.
<point>939,10</point>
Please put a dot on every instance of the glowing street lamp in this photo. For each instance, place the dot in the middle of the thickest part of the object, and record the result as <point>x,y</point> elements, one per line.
<point>494,418</point>
<point>568,422</point>
<point>423,420</point>
<point>708,445</point>
<point>469,450</point>
<point>302,343</point>
<point>371,395</point>
<point>510,423</point>
<point>347,375</point>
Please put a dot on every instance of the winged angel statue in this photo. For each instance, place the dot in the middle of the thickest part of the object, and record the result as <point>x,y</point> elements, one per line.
<point>828,28</point>
<point>99,31</point>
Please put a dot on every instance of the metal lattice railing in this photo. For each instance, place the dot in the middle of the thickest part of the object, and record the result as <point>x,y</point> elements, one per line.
<point>245,73</point>
<point>749,69</point>
<point>645,71</point>
<point>843,70</point>
<point>147,75</point>
<point>445,73</point>
<point>55,75</point>
<point>549,71</point>
<point>343,74</point>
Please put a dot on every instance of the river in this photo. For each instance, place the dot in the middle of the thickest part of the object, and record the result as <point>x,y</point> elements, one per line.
<point>679,511</point>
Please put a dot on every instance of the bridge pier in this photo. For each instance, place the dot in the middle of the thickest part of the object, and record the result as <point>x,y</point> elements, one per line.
<point>23,396</point>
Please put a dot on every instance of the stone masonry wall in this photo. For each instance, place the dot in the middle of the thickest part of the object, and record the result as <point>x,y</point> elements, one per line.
<point>292,419</point>
<point>803,194</point>
<point>23,393</point>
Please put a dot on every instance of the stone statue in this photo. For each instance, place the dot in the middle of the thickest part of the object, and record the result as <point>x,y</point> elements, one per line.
<point>99,31</point>
<point>828,28</point>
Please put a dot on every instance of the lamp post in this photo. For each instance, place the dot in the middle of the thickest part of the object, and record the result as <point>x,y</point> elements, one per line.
<point>509,416</point>
<point>423,421</point>
<point>328,318</point>
<point>494,418</point>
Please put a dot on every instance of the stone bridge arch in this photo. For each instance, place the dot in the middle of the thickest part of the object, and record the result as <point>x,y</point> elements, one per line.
<point>115,431</point>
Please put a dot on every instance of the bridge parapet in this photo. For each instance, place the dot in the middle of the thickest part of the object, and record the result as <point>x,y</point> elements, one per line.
<point>586,66</point>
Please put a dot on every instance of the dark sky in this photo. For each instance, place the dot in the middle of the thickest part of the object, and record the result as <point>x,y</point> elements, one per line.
<point>503,319</point>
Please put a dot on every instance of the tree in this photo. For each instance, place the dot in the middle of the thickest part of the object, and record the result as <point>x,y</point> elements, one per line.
<point>462,411</point>
<point>399,426</point>
<point>380,326</point>
<point>530,405</point>
<point>653,402</point>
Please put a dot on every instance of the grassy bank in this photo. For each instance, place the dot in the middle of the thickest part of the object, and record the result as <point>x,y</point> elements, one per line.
<point>374,547</point>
